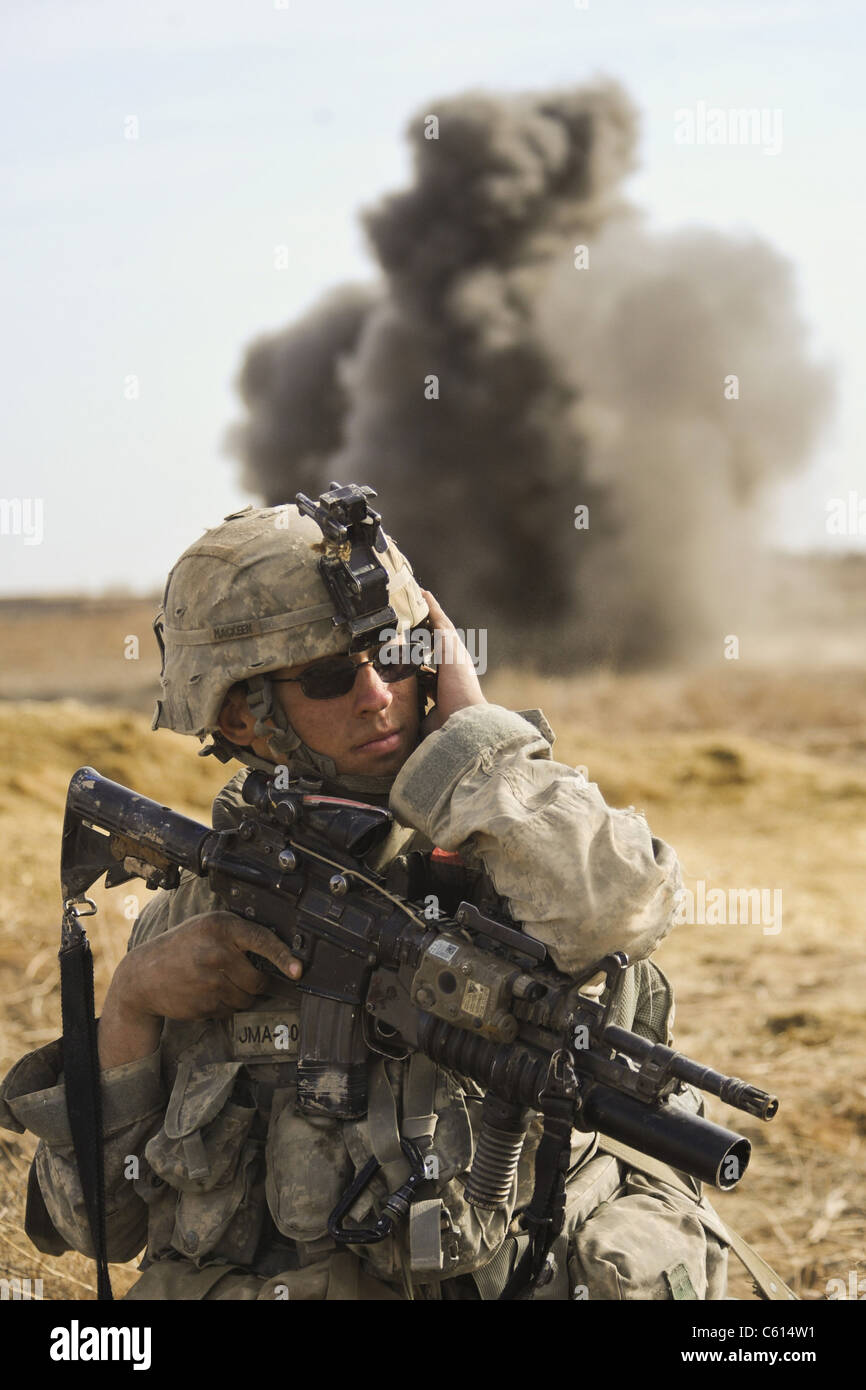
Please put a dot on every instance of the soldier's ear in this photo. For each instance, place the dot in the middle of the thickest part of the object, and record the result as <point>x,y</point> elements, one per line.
<point>236,722</point>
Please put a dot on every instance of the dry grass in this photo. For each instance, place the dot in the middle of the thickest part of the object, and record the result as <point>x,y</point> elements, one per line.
<point>758,778</point>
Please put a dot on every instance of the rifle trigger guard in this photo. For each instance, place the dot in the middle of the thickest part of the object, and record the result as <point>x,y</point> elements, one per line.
<point>395,1208</point>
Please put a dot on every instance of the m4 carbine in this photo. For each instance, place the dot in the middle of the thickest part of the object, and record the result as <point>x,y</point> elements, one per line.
<point>476,994</point>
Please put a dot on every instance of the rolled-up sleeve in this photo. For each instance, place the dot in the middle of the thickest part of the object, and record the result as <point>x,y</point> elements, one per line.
<point>580,876</point>
<point>33,1097</point>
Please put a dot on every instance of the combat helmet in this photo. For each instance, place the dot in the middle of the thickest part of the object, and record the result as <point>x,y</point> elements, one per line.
<point>254,594</point>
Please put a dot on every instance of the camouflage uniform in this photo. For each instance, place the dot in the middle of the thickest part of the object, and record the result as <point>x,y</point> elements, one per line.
<point>235,1186</point>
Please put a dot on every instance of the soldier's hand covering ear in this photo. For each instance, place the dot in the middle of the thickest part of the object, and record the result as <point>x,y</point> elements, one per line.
<point>457,683</point>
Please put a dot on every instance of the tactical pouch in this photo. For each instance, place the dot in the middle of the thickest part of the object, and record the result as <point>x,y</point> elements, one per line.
<point>204,1154</point>
<point>225,1221</point>
<point>198,1147</point>
<point>648,1242</point>
<point>308,1169</point>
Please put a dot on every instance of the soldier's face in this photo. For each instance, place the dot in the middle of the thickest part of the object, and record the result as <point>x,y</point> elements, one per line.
<point>372,729</point>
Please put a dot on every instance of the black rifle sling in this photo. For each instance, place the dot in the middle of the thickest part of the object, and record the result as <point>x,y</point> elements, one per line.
<point>83,1090</point>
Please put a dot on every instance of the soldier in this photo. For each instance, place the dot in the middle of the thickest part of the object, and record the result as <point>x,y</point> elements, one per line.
<point>232,1184</point>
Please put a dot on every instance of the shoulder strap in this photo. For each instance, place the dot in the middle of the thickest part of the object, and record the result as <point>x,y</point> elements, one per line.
<point>767,1282</point>
<point>83,1089</point>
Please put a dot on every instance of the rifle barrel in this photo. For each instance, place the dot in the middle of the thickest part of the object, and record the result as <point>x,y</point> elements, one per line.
<point>730,1089</point>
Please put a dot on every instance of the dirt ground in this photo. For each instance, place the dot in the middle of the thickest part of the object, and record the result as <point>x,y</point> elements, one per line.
<point>755,773</point>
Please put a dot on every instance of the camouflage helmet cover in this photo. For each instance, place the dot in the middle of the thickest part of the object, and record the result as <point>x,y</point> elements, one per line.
<point>248,598</point>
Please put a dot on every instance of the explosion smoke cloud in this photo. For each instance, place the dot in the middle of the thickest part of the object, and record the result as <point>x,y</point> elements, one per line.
<point>554,386</point>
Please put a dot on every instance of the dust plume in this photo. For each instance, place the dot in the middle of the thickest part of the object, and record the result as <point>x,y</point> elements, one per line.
<point>487,387</point>
<point>290,385</point>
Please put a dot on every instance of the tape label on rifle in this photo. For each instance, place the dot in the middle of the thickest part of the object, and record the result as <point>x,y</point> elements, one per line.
<point>475,998</point>
<point>265,1033</point>
<point>445,950</point>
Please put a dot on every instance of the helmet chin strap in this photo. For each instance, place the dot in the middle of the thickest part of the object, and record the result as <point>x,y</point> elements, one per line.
<point>290,751</point>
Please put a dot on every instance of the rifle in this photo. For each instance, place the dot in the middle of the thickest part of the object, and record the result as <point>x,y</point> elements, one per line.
<point>474,993</point>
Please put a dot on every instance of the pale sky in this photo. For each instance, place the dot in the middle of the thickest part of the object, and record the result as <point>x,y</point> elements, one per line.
<point>264,124</point>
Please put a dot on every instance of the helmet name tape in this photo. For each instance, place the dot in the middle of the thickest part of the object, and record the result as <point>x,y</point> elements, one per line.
<point>252,627</point>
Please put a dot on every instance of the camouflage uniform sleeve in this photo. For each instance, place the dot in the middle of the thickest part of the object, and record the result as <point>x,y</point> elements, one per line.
<point>33,1097</point>
<point>583,878</point>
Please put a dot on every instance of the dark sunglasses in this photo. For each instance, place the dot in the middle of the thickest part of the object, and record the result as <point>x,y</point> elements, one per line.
<point>331,679</point>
